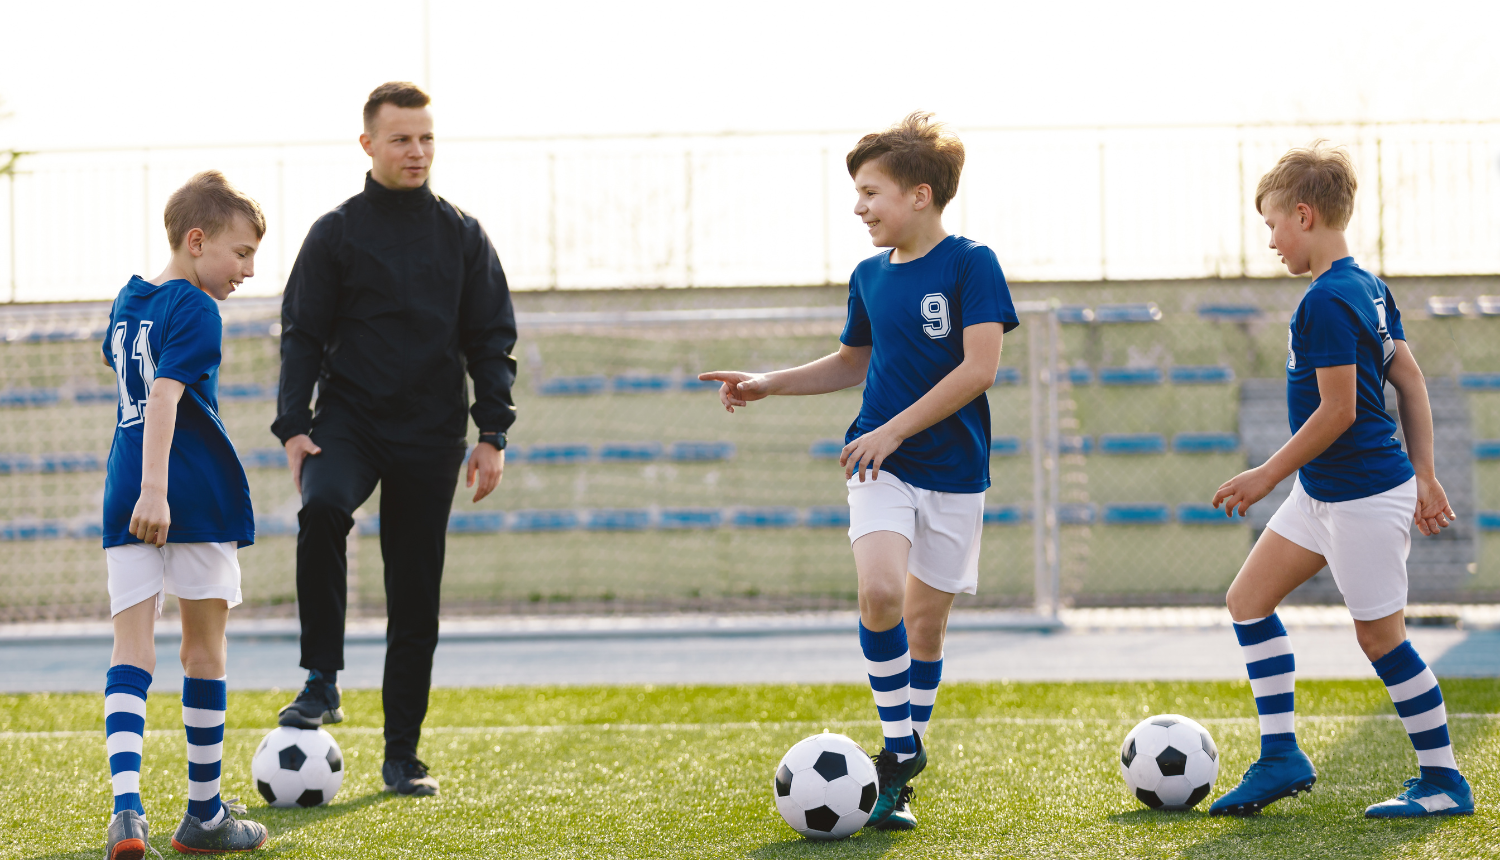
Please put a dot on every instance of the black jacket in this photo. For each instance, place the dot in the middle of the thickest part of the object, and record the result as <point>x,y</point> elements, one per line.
<point>393,295</point>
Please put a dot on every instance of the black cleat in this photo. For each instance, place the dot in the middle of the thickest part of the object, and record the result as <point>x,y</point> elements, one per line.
<point>317,705</point>
<point>128,837</point>
<point>408,777</point>
<point>901,817</point>
<point>893,776</point>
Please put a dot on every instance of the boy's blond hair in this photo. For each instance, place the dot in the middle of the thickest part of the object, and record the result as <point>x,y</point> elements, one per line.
<point>915,151</point>
<point>209,202</point>
<point>1320,175</point>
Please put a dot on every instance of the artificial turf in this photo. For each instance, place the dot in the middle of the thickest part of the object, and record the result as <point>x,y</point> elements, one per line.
<point>1017,770</point>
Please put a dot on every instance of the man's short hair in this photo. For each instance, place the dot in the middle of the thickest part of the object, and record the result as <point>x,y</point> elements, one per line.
<point>404,94</point>
<point>1320,175</point>
<point>209,202</point>
<point>915,151</point>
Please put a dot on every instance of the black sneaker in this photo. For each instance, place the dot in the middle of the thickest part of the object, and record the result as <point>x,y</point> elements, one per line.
<point>317,704</point>
<point>901,817</point>
<point>408,777</point>
<point>229,835</point>
<point>128,837</point>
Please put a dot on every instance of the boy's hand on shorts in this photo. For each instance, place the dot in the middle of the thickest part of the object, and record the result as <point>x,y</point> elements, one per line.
<point>151,518</point>
<point>1433,511</point>
<point>739,388</point>
<point>869,451</point>
<point>1244,490</point>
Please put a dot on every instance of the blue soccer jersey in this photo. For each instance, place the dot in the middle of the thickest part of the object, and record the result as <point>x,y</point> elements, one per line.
<point>913,315</point>
<point>1347,316</point>
<point>173,331</point>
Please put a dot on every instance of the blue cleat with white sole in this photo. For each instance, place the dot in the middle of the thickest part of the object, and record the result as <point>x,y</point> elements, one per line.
<point>1268,780</point>
<point>1424,797</point>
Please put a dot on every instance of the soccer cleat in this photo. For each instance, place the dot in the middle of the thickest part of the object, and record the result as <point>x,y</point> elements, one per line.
<point>128,837</point>
<point>317,705</point>
<point>408,777</point>
<point>229,835</point>
<point>893,776</point>
<point>1267,781</point>
<point>1424,797</point>
<point>901,817</point>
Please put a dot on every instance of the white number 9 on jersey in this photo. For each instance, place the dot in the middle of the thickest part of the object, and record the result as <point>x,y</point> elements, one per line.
<point>935,311</point>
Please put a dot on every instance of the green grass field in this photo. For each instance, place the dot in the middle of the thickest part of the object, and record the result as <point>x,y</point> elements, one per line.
<point>1017,770</point>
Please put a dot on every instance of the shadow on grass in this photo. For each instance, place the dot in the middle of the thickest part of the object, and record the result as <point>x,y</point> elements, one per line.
<point>866,843</point>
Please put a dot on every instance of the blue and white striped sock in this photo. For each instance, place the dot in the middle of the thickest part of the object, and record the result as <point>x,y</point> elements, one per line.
<point>889,665</point>
<point>203,705</point>
<point>925,676</point>
<point>125,732</point>
<point>1419,703</point>
<point>1273,680</point>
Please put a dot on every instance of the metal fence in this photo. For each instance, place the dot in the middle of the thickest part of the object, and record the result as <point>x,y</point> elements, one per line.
<point>754,210</point>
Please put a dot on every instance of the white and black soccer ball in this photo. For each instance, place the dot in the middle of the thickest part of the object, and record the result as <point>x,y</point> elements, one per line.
<point>825,787</point>
<point>1169,762</point>
<point>298,767</point>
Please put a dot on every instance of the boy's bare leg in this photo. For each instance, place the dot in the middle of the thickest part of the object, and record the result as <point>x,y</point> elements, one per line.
<point>927,611</point>
<point>135,636</point>
<point>1275,568</point>
<point>1382,636</point>
<point>204,649</point>
<point>880,561</point>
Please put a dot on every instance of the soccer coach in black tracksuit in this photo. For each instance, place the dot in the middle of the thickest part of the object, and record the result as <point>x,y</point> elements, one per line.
<point>394,295</point>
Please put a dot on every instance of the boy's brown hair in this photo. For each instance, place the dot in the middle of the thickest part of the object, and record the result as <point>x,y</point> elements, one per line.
<point>915,151</point>
<point>1320,175</point>
<point>209,202</point>
<point>404,94</point>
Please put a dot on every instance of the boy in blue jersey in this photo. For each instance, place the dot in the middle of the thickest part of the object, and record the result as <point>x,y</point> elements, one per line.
<point>176,509</point>
<point>924,331</point>
<point>1355,499</point>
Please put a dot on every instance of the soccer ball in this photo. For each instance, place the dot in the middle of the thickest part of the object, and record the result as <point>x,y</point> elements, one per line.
<point>825,787</point>
<point>1169,762</point>
<point>298,767</point>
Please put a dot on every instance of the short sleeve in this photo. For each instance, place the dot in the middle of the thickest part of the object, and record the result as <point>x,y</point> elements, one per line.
<point>1329,331</point>
<point>1393,316</point>
<point>984,296</point>
<point>857,324</point>
<point>191,347</point>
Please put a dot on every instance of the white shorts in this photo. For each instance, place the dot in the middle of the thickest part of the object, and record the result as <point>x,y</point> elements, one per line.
<point>942,528</point>
<point>193,571</point>
<point>1365,542</point>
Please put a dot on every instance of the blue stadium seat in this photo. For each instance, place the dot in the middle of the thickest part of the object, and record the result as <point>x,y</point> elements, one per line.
<point>1074,314</point>
<point>619,519</point>
<point>1211,374</point>
<point>560,385</point>
<point>1075,444</point>
<point>1205,443</point>
<point>1199,514</point>
<point>21,397</point>
<point>264,458</point>
<point>558,455</point>
<point>1132,443</point>
<point>543,521</point>
<point>691,518</point>
<point>1006,515</point>
<point>16,464</point>
<point>1006,446</point>
<point>630,452</point>
<point>1446,306</point>
<point>1489,306</point>
<point>1130,376</point>
<point>642,384</point>
<point>246,391</point>
<point>1137,514</point>
<point>693,383</point>
<point>1076,514</point>
<point>1228,313</point>
<point>1487,449</point>
<point>253,328</point>
<point>96,395</point>
<point>828,516</point>
<point>476,522</point>
<point>32,529</point>
<point>1489,521</point>
<point>1480,381</point>
<point>1128,313</point>
<point>764,518</point>
<point>1080,375</point>
<point>826,449</point>
<point>368,526</point>
<point>282,526</point>
<point>692,452</point>
<point>1008,376</point>
<point>86,529</point>
<point>69,463</point>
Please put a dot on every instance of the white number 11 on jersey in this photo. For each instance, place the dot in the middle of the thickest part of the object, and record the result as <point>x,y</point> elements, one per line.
<point>133,411</point>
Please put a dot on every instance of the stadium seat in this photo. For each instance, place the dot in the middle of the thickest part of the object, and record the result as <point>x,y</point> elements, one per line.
<point>691,518</point>
<point>828,516</point>
<point>69,463</point>
<point>1130,376</point>
<point>1075,444</point>
<point>1228,313</point>
<point>764,518</point>
<point>264,458</point>
<point>1489,306</point>
<point>476,522</point>
<point>1132,443</point>
<point>1199,514</point>
<point>630,452</point>
<point>558,455</point>
<point>692,452</point>
<point>1212,374</point>
<point>1205,443</point>
<point>246,391</point>
<point>1446,306</point>
<point>1074,314</point>
<point>1127,313</point>
<point>32,529</point>
<point>86,396</point>
<point>543,521</point>
<point>1137,514</point>
<point>1489,521</point>
<point>619,519</point>
<point>1008,376</point>
<point>1080,375</point>
<point>1076,514</point>
<point>693,383</point>
<point>1006,515</point>
<point>562,385</point>
<point>826,449</point>
<point>283,526</point>
<point>367,526</point>
<point>252,328</point>
<point>1479,381</point>
<point>1006,446</point>
<point>22,397</point>
<point>1487,449</point>
<point>632,384</point>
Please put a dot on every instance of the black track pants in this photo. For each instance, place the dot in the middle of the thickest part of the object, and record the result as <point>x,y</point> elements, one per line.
<point>417,486</point>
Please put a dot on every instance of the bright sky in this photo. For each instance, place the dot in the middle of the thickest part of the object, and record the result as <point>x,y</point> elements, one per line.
<point>152,72</point>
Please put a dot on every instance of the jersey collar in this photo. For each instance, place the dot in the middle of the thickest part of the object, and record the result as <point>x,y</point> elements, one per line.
<point>415,198</point>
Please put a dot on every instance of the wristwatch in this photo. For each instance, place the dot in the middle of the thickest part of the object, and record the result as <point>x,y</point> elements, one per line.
<point>495,439</point>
